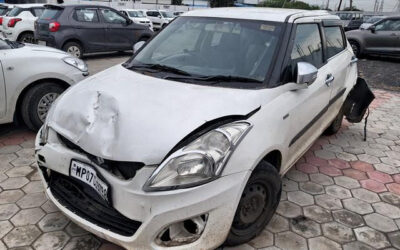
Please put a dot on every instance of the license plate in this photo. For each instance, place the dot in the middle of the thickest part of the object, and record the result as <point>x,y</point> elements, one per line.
<point>42,43</point>
<point>88,175</point>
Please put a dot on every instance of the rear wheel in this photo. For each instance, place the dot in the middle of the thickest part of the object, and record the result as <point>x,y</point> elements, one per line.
<point>74,49</point>
<point>356,48</point>
<point>37,102</point>
<point>258,203</point>
<point>27,37</point>
<point>336,124</point>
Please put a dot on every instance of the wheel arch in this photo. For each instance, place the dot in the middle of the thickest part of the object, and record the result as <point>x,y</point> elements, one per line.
<point>24,32</point>
<point>274,157</point>
<point>76,40</point>
<point>17,110</point>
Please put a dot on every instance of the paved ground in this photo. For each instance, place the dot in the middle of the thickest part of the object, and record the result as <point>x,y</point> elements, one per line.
<point>343,194</point>
<point>381,72</point>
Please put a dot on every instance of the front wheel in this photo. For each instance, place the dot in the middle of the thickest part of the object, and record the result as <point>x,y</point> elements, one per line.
<point>356,48</point>
<point>336,124</point>
<point>37,102</point>
<point>258,203</point>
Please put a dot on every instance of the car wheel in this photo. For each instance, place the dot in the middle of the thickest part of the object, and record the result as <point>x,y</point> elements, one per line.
<point>336,124</point>
<point>27,38</point>
<point>258,203</point>
<point>356,48</point>
<point>74,49</point>
<point>37,102</point>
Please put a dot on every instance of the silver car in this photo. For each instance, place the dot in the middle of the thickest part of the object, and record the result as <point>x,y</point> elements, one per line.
<point>31,78</point>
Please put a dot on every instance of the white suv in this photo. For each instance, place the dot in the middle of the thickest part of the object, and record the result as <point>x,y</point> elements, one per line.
<point>18,24</point>
<point>160,18</point>
<point>184,145</point>
<point>137,16</point>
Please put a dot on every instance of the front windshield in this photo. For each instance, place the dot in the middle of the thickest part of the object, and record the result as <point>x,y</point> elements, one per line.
<point>345,16</point>
<point>213,47</point>
<point>167,14</point>
<point>374,19</point>
<point>133,13</point>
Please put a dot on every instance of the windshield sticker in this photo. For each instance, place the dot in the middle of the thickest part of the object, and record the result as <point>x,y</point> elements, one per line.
<point>267,27</point>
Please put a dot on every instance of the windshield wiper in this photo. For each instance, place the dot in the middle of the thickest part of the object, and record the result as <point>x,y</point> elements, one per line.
<point>160,67</point>
<point>217,79</point>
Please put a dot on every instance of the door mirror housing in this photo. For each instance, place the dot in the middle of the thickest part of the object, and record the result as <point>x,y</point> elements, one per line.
<point>372,28</point>
<point>137,46</point>
<point>306,74</point>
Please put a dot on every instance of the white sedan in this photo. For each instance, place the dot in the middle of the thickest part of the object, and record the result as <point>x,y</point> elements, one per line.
<point>31,78</point>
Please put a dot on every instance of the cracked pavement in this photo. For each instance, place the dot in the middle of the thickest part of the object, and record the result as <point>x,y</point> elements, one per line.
<point>343,194</point>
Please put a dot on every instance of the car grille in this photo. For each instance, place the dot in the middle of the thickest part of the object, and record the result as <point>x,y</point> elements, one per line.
<point>82,200</point>
<point>123,169</point>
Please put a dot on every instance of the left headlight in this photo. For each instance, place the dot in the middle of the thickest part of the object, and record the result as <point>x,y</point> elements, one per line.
<point>200,161</point>
<point>76,62</point>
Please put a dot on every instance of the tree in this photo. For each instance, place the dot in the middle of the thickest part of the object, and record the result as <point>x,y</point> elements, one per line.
<point>221,3</point>
<point>176,2</point>
<point>288,4</point>
<point>354,8</point>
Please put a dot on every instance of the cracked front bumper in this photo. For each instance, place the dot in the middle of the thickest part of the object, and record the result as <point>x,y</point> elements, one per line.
<point>154,210</point>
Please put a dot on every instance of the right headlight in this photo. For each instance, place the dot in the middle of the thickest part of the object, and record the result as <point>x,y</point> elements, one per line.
<point>200,161</point>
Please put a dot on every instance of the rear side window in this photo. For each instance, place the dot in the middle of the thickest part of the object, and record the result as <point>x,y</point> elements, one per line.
<point>307,45</point>
<point>334,40</point>
<point>15,12</point>
<point>153,13</point>
<point>86,15</point>
<point>50,14</point>
<point>37,12</point>
<point>3,11</point>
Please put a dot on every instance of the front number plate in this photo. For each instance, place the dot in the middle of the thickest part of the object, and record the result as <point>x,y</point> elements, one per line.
<point>88,175</point>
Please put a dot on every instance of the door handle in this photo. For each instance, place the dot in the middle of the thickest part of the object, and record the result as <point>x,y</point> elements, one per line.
<point>353,60</point>
<point>329,79</point>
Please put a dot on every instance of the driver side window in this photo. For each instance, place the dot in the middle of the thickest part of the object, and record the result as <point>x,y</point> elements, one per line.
<point>112,17</point>
<point>388,25</point>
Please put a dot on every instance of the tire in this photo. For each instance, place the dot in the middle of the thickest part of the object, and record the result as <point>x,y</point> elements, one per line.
<point>336,124</point>
<point>356,48</point>
<point>27,37</point>
<point>261,195</point>
<point>37,102</point>
<point>74,48</point>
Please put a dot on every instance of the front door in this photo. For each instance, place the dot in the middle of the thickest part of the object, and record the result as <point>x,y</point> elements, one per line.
<point>385,38</point>
<point>118,30</point>
<point>307,107</point>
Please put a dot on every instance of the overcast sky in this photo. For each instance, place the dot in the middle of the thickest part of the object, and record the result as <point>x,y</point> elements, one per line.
<point>367,5</point>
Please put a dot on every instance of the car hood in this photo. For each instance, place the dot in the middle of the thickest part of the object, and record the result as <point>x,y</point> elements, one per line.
<point>40,48</point>
<point>140,19</point>
<point>122,115</point>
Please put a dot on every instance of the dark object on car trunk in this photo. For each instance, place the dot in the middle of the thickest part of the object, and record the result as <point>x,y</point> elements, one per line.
<point>358,100</point>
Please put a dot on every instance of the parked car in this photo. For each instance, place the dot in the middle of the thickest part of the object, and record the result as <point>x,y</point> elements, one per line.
<point>138,17</point>
<point>184,145</point>
<point>178,13</point>
<point>18,24</point>
<point>31,78</point>
<point>80,29</point>
<point>351,19</point>
<point>4,9</point>
<point>159,18</point>
<point>370,21</point>
<point>382,37</point>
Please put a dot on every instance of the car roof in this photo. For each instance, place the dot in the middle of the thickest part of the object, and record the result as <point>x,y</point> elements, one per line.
<point>264,14</point>
<point>29,5</point>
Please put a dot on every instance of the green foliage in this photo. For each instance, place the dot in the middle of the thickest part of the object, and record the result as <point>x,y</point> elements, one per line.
<point>176,2</point>
<point>221,3</point>
<point>352,9</point>
<point>288,4</point>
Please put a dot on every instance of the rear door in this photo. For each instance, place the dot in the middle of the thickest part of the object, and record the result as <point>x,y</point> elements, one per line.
<point>119,31</point>
<point>340,61</point>
<point>89,29</point>
<point>386,38</point>
<point>3,104</point>
<point>307,107</point>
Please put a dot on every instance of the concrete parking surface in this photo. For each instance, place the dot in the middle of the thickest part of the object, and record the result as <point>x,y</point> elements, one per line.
<point>343,194</point>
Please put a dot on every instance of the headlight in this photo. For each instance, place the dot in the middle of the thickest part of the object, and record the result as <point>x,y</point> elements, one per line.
<point>44,134</point>
<point>200,161</point>
<point>76,62</point>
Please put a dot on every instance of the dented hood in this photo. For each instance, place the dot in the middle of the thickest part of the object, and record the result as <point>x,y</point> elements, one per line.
<point>122,115</point>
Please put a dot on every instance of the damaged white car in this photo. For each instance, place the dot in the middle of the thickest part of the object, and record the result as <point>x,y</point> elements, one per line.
<point>184,145</point>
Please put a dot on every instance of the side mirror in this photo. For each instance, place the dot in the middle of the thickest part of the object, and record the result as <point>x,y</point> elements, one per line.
<point>306,74</point>
<point>372,29</point>
<point>137,46</point>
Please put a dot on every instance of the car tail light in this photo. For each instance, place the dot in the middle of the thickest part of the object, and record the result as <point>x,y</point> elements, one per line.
<point>54,26</point>
<point>1,20</point>
<point>13,22</point>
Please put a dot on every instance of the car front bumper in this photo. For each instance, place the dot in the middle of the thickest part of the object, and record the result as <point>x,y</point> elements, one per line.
<point>155,210</point>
